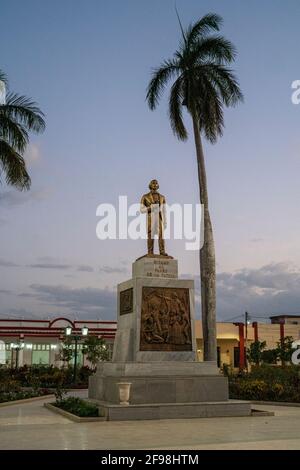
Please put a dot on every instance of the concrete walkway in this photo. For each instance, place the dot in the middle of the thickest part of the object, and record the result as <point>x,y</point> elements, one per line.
<point>31,426</point>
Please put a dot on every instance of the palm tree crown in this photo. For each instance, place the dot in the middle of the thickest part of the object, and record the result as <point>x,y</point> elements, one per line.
<point>18,116</point>
<point>204,83</point>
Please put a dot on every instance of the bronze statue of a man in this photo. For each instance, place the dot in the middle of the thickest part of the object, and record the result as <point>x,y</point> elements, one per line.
<point>153,204</point>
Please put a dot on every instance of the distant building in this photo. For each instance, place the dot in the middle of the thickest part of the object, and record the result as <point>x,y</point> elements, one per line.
<point>41,339</point>
<point>234,338</point>
<point>286,319</point>
<point>38,342</point>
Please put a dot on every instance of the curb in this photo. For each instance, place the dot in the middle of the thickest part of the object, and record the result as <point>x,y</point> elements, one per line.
<point>258,413</point>
<point>72,417</point>
<point>25,400</point>
<point>276,403</point>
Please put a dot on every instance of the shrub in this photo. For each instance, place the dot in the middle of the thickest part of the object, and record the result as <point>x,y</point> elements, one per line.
<point>44,376</point>
<point>59,393</point>
<point>249,389</point>
<point>267,382</point>
<point>270,356</point>
<point>8,385</point>
<point>255,351</point>
<point>83,374</point>
<point>21,394</point>
<point>78,407</point>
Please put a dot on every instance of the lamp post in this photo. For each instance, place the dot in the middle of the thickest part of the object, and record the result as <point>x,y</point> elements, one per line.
<point>247,323</point>
<point>17,347</point>
<point>76,338</point>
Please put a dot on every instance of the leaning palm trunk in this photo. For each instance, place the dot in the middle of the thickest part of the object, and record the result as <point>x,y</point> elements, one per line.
<point>207,260</point>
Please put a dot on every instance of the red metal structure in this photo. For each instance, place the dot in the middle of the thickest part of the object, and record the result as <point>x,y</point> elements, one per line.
<point>241,345</point>
<point>48,328</point>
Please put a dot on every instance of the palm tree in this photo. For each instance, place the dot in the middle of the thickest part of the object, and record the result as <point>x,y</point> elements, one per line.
<point>18,116</point>
<point>203,84</point>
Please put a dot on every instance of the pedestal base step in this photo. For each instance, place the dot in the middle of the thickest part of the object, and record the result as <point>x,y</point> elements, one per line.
<point>115,412</point>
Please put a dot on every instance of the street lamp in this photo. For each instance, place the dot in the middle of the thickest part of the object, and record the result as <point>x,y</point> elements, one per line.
<point>17,347</point>
<point>76,337</point>
<point>85,331</point>
<point>68,331</point>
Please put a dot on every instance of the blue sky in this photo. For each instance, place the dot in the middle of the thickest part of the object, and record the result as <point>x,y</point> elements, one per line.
<point>87,64</point>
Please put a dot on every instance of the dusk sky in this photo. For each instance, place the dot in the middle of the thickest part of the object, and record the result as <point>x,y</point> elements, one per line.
<point>87,64</point>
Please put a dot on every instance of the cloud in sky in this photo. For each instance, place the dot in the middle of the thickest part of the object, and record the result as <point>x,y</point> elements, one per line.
<point>50,266</point>
<point>112,270</point>
<point>11,198</point>
<point>50,263</point>
<point>2,92</point>
<point>85,268</point>
<point>32,154</point>
<point>7,264</point>
<point>5,291</point>
<point>89,302</point>
<point>271,289</point>
<point>17,313</point>
<point>27,295</point>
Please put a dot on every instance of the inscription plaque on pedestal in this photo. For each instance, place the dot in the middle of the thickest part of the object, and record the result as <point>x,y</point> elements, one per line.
<point>165,319</point>
<point>126,301</point>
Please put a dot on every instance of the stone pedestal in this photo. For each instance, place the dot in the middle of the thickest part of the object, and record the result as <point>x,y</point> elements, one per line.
<point>155,350</point>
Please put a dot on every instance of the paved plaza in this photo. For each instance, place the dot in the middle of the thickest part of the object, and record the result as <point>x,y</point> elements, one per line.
<point>32,426</point>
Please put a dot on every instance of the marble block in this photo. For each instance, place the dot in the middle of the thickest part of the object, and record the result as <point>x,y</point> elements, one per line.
<point>156,266</point>
<point>155,351</point>
<point>172,382</point>
<point>128,341</point>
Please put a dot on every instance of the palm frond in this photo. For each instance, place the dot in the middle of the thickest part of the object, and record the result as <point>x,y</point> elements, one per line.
<point>224,80</point>
<point>175,110</point>
<point>213,48</point>
<point>160,78</point>
<point>12,164</point>
<point>209,22</point>
<point>24,111</point>
<point>209,110</point>
<point>13,133</point>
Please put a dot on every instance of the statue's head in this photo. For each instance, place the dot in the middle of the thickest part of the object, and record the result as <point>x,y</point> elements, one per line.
<point>153,185</point>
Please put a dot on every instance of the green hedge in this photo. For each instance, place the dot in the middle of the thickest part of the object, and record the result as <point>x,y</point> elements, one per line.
<point>21,395</point>
<point>78,407</point>
<point>267,383</point>
<point>44,376</point>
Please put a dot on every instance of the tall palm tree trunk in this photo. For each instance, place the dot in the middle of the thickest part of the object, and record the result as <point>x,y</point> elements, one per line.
<point>207,259</point>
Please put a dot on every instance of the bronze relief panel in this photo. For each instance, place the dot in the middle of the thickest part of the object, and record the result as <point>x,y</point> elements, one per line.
<point>165,319</point>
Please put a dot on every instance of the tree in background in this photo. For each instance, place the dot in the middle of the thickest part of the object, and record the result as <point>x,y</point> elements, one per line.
<point>254,352</point>
<point>95,349</point>
<point>269,356</point>
<point>202,85</point>
<point>285,349</point>
<point>18,116</point>
<point>66,352</point>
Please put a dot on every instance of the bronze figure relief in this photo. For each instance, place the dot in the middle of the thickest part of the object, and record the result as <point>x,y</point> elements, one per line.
<point>165,319</point>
